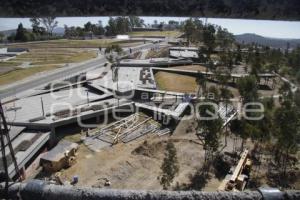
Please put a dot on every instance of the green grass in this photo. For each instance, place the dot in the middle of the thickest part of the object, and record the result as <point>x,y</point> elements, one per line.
<point>9,64</point>
<point>21,73</point>
<point>41,60</point>
<point>65,43</point>
<point>157,33</point>
<point>43,56</point>
<point>48,55</point>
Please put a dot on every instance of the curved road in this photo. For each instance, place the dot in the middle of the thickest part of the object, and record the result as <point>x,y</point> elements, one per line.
<point>59,75</point>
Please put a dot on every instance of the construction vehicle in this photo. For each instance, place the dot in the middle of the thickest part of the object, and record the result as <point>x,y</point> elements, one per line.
<point>237,179</point>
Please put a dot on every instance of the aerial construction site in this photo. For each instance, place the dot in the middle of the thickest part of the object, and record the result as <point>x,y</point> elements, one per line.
<point>153,107</point>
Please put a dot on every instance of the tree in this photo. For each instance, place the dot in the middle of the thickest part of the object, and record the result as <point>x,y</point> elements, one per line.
<point>118,25</point>
<point>201,82</point>
<point>223,38</point>
<point>238,56</point>
<point>73,32</point>
<point>222,78</point>
<point>287,134</point>
<point>155,24</point>
<point>297,98</point>
<point>49,23</point>
<point>193,29</point>
<point>247,87</point>
<point>237,127</point>
<point>208,130</point>
<point>285,92</point>
<point>21,34</point>
<point>226,94</point>
<point>11,37</point>
<point>256,63</point>
<point>1,37</point>
<point>173,24</point>
<point>88,27</point>
<point>100,29</point>
<point>122,25</point>
<point>79,31</point>
<point>169,166</point>
<point>227,60</point>
<point>189,29</point>
<point>202,54</point>
<point>214,93</point>
<point>298,76</point>
<point>209,38</point>
<point>96,29</point>
<point>111,28</point>
<point>36,28</point>
<point>136,22</point>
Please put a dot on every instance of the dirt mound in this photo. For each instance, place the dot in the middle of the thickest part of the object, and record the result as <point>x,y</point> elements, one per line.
<point>152,150</point>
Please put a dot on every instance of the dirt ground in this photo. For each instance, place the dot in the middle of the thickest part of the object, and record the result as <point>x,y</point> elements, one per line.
<point>136,165</point>
<point>131,166</point>
<point>166,81</point>
<point>163,52</point>
<point>184,83</point>
<point>191,67</point>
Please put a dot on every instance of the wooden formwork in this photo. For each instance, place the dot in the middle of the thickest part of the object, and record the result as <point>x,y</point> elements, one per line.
<point>127,129</point>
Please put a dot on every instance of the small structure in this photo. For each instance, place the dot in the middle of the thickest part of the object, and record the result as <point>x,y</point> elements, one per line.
<point>122,37</point>
<point>61,156</point>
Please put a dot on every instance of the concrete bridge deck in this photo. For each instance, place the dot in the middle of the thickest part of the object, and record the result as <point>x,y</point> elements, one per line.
<point>194,72</point>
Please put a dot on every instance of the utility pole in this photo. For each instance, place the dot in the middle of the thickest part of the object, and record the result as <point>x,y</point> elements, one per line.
<point>43,111</point>
<point>87,96</point>
<point>4,133</point>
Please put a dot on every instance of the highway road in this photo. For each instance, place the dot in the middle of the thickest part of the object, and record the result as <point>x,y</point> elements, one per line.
<point>60,75</point>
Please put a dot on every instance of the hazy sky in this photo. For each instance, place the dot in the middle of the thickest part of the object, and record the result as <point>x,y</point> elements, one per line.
<point>277,29</point>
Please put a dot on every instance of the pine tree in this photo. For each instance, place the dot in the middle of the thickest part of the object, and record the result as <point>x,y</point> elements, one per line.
<point>208,130</point>
<point>248,89</point>
<point>169,166</point>
<point>287,133</point>
<point>21,33</point>
<point>1,37</point>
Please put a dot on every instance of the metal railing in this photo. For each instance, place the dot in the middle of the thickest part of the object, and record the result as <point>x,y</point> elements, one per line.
<point>41,190</point>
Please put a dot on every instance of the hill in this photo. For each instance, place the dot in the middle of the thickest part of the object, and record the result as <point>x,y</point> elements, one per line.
<point>57,31</point>
<point>249,38</point>
<point>8,32</point>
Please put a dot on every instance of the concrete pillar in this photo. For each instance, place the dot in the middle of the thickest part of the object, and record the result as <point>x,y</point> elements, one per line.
<point>23,173</point>
<point>98,119</point>
<point>53,138</point>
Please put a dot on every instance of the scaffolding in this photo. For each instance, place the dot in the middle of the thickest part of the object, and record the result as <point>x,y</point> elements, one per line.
<point>4,134</point>
<point>126,129</point>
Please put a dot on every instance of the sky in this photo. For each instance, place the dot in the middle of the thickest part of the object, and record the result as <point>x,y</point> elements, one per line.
<point>275,29</point>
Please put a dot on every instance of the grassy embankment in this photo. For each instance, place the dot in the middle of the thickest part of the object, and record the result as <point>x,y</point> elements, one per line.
<point>156,33</point>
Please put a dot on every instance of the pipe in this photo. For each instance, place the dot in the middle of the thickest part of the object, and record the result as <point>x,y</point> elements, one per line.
<point>36,189</point>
